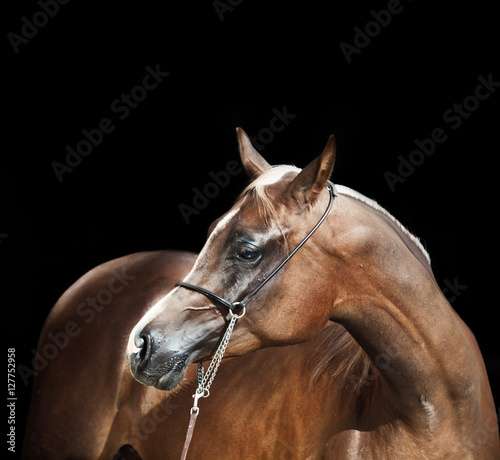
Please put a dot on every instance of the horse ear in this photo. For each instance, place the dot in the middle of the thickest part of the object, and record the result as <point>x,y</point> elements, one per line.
<point>313,178</point>
<point>253,162</point>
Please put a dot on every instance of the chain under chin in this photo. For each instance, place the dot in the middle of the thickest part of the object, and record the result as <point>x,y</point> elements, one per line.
<point>199,379</point>
<point>205,380</point>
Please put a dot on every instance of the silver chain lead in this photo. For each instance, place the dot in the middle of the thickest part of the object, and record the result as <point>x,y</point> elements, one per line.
<point>205,381</point>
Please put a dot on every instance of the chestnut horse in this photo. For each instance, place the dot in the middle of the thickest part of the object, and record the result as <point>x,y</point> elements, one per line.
<point>349,351</point>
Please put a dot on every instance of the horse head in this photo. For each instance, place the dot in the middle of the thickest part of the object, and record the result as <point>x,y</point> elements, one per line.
<point>245,245</point>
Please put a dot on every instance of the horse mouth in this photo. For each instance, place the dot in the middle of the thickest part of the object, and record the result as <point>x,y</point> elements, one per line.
<point>170,380</point>
<point>166,377</point>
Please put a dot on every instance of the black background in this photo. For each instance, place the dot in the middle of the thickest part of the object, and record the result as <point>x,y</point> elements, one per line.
<point>124,197</point>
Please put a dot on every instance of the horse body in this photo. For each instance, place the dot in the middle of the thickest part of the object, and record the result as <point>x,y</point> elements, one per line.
<point>351,351</point>
<point>275,403</point>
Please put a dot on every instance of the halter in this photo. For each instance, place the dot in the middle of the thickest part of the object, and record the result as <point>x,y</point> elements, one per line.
<point>205,381</point>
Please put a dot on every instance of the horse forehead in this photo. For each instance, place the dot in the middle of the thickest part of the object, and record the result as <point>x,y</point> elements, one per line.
<point>223,223</point>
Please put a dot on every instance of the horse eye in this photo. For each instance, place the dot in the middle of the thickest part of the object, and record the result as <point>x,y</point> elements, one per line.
<point>247,253</point>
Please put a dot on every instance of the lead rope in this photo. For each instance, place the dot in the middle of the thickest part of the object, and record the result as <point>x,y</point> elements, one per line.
<point>205,381</point>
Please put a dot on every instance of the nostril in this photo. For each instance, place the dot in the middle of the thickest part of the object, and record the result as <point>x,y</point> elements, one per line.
<point>144,343</point>
<point>139,351</point>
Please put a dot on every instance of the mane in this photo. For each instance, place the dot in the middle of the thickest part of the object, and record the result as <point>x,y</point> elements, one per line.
<point>338,357</point>
<point>373,204</point>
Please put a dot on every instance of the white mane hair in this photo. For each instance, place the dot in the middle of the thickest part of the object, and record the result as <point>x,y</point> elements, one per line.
<point>343,190</point>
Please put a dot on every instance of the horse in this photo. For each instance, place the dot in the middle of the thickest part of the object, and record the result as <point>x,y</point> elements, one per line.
<point>348,349</point>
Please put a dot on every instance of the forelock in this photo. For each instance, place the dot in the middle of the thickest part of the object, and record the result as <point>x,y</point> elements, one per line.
<point>259,191</point>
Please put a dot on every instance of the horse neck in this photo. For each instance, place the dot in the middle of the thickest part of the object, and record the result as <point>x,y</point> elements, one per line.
<point>390,303</point>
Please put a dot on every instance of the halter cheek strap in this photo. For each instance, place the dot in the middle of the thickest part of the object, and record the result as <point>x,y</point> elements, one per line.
<point>233,305</point>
